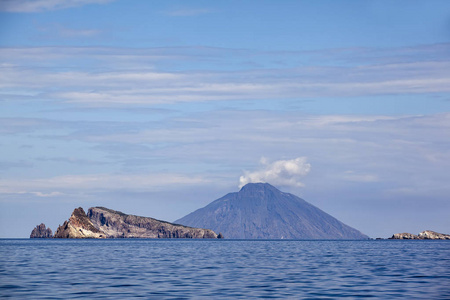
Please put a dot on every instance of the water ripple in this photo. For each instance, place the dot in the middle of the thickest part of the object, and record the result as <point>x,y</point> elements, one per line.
<point>186,269</point>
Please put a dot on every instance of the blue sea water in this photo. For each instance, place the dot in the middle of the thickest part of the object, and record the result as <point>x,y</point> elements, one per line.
<point>217,269</point>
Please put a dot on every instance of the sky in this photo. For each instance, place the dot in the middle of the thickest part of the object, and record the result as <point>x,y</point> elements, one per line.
<point>157,108</point>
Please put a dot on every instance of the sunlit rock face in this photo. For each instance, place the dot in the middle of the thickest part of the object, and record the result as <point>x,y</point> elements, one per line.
<point>40,231</point>
<point>261,211</point>
<point>116,224</point>
<point>431,235</point>
<point>78,226</point>
<point>101,222</point>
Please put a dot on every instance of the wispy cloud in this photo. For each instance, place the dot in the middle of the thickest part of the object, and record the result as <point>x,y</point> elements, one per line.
<point>6,165</point>
<point>72,160</point>
<point>31,6</point>
<point>31,193</point>
<point>74,184</point>
<point>366,146</point>
<point>16,125</point>
<point>358,177</point>
<point>61,31</point>
<point>345,149</point>
<point>133,82</point>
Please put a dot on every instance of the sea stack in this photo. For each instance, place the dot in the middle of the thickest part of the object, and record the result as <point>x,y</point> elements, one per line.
<point>261,211</point>
<point>40,231</point>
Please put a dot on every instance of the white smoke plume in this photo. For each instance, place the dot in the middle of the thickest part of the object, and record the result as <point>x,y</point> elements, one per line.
<point>280,172</point>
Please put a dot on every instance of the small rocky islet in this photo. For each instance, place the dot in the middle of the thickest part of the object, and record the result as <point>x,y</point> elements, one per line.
<point>41,231</point>
<point>424,235</point>
<point>101,222</point>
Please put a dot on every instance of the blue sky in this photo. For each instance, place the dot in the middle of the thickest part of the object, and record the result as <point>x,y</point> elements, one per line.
<point>157,108</point>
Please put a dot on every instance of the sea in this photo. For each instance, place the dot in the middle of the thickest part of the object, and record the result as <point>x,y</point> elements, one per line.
<point>224,269</point>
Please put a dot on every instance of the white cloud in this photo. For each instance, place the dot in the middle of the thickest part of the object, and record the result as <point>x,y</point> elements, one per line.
<point>280,172</point>
<point>29,6</point>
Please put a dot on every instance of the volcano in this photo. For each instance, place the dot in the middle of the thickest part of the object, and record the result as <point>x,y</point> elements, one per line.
<point>261,211</point>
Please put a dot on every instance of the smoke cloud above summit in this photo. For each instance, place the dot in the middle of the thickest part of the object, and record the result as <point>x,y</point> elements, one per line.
<point>280,172</point>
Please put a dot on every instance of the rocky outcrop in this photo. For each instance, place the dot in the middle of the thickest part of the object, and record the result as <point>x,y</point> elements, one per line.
<point>40,231</point>
<point>115,224</point>
<point>431,235</point>
<point>404,236</point>
<point>424,235</point>
<point>101,222</point>
<point>79,226</point>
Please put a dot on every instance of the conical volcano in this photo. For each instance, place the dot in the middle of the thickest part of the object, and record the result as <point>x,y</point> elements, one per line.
<point>261,211</point>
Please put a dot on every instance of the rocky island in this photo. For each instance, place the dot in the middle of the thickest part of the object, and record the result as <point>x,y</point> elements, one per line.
<point>101,222</point>
<point>424,235</point>
<point>40,231</point>
<point>116,224</point>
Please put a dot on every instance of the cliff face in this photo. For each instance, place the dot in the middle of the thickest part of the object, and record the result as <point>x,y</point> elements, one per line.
<point>102,222</point>
<point>40,231</point>
<point>424,235</point>
<point>79,226</point>
<point>116,224</point>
